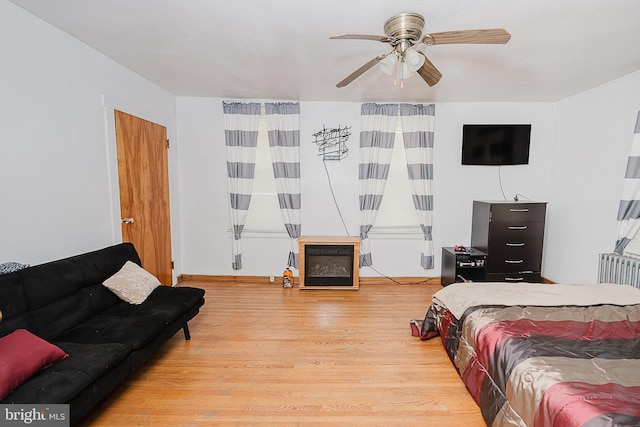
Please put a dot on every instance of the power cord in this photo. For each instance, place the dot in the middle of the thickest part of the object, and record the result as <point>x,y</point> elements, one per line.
<point>517,197</point>
<point>384,275</point>
<point>395,281</point>
<point>500,180</point>
<point>334,197</point>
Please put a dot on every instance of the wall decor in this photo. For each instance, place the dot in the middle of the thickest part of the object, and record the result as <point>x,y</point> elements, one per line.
<point>332,142</point>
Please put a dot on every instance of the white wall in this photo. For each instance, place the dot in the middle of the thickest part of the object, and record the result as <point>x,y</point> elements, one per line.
<point>58,181</point>
<point>204,210</point>
<point>593,139</point>
<point>58,166</point>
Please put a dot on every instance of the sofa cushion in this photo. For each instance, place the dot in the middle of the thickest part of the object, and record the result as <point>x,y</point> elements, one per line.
<point>13,305</point>
<point>22,355</point>
<point>168,303</point>
<point>61,315</point>
<point>63,381</point>
<point>46,283</point>
<point>132,332</point>
<point>136,325</point>
<point>132,283</point>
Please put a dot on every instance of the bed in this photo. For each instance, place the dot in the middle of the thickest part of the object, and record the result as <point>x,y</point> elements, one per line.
<point>540,354</point>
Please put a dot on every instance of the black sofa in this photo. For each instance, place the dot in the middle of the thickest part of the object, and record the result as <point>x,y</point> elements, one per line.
<point>64,303</point>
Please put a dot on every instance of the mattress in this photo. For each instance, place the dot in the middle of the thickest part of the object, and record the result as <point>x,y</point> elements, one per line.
<point>543,355</point>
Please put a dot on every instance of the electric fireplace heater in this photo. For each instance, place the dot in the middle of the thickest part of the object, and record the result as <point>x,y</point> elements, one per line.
<point>329,262</point>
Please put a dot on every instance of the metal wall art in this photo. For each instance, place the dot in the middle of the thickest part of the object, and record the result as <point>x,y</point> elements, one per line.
<point>332,142</point>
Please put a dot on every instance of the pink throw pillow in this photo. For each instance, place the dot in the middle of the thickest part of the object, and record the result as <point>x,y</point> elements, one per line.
<point>22,355</point>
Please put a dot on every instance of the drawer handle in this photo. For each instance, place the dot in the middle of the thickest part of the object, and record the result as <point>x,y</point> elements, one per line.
<point>513,279</point>
<point>514,261</point>
<point>517,227</point>
<point>519,210</point>
<point>514,245</point>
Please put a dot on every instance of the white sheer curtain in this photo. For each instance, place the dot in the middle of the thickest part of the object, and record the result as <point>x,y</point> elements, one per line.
<point>629,209</point>
<point>283,125</point>
<point>376,147</point>
<point>241,122</point>
<point>418,125</point>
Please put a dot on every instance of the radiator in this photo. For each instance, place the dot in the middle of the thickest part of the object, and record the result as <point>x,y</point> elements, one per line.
<point>619,269</point>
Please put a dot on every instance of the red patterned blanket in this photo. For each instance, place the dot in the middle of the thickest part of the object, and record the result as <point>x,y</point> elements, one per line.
<point>541,364</point>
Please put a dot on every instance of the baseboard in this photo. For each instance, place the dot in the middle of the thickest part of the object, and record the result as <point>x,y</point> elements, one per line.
<point>229,279</point>
<point>296,280</point>
<point>278,280</point>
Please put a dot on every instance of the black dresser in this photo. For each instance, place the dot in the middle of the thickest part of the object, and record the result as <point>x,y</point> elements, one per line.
<point>512,234</point>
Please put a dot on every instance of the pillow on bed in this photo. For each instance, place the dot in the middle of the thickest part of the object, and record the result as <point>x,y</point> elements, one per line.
<point>132,283</point>
<point>22,355</point>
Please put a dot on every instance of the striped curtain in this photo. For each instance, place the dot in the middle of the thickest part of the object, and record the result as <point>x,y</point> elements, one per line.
<point>241,122</point>
<point>629,209</point>
<point>376,147</point>
<point>418,124</point>
<point>283,126</point>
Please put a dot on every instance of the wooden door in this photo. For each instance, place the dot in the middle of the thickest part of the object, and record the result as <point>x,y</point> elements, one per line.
<point>143,172</point>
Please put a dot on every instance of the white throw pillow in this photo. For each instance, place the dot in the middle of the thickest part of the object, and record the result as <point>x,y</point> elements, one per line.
<point>132,283</point>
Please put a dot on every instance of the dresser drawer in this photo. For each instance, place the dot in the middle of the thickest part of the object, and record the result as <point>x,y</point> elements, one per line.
<point>515,277</point>
<point>525,247</point>
<point>510,212</point>
<point>516,231</point>
<point>510,264</point>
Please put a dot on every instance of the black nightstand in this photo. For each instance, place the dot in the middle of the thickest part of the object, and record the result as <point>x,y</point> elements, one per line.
<point>470,266</point>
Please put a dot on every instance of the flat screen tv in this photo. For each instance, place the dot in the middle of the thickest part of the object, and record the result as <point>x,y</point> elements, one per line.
<point>495,145</point>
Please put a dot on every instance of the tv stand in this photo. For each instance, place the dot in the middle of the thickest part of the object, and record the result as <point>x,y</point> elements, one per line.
<point>469,266</point>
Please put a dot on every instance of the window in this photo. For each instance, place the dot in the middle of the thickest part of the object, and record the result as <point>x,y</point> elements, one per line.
<point>397,210</point>
<point>264,210</point>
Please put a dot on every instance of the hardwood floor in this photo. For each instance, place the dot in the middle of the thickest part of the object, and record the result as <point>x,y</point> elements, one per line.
<point>265,355</point>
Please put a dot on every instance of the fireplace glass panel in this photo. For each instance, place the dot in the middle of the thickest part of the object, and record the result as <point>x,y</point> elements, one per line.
<point>329,265</point>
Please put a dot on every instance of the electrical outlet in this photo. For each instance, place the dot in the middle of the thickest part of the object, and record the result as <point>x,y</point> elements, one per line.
<point>272,279</point>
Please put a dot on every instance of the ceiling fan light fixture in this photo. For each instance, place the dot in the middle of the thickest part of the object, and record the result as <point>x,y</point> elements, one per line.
<point>407,71</point>
<point>388,64</point>
<point>413,60</point>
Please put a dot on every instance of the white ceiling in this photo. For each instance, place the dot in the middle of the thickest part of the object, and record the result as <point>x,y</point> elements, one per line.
<point>280,49</point>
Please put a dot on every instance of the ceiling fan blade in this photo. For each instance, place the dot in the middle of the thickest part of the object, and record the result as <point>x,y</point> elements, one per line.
<point>486,36</point>
<point>383,39</point>
<point>429,72</point>
<point>357,73</point>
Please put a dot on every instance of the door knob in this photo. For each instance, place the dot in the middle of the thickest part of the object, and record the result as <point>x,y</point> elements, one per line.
<point>127,220</point>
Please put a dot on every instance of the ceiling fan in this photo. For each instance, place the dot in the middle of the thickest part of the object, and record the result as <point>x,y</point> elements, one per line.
<point>403,33</point>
